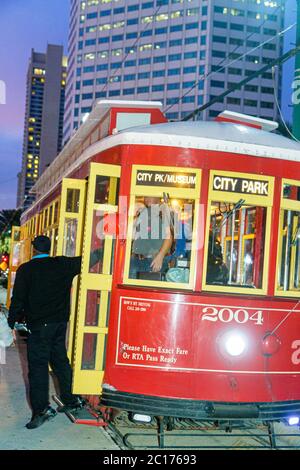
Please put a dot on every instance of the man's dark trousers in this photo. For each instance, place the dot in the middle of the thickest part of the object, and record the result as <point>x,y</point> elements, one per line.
<point>46,345</point>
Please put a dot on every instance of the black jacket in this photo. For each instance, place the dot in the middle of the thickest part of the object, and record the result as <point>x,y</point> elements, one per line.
<point>41,292</point>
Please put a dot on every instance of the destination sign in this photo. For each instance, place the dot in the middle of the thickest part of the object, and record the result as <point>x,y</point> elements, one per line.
<point>241,185</point>
<point>166,178</point>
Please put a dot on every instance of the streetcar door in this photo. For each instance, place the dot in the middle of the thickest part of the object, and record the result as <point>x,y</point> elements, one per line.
<point>96,279</point>
<point>67,238</point>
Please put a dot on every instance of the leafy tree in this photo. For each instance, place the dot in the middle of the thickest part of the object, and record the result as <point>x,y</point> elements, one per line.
<point>8,218</point>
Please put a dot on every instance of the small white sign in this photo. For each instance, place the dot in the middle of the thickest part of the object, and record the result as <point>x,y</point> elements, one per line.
<point>296,88</point>
<point>2,353</point>
<point>2,92</point>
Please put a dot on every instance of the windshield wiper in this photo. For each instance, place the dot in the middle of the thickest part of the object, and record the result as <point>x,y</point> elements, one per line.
<point>230,213</point>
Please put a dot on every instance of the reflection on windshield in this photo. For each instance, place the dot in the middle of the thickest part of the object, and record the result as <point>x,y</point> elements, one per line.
<point>236,245</point>
<point>162,239</point>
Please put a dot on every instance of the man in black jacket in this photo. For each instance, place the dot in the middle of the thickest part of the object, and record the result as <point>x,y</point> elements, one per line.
<point>41,295</point>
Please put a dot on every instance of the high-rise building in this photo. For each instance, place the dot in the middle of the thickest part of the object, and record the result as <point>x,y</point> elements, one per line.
<point>44,111</point>
<point>181,52</point>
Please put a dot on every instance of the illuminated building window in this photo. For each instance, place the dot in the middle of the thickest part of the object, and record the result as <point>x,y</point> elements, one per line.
<point>235,12</point>
<point>104,27</point>
<point>177,14</point>
<point>31,119</point>
<point>191,11</point>
<point>30,138</point>
<point>145,47</point>
<point>130,50</point>
<point>115,79</point>
<point>91,29</point>
<point>83,5</point>
<point>39,71</point>
<point>271,4</point>
<point>119,24</point>
<point>102,55</point>
<point>147,19</point>
<point>29,165</point>
<point>161,45</point>
<point>89,56</point>
<point>93,3</point>
<point>162,17</point>
<point>116,52</point>
<point>254,15</point>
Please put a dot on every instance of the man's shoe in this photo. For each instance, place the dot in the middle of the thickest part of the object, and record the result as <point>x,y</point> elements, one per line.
<point>40,418</point>
<point>77,404</point>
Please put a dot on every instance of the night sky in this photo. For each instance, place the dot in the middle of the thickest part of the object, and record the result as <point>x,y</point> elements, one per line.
<point>26,24</point>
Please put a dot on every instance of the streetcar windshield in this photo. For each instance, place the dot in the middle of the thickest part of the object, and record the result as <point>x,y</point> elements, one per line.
<point>161,239</point>
<point>288,273</point>
<point>236,244</point>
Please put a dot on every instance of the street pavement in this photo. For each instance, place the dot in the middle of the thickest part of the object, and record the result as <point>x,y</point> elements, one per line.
<point>59,433</point>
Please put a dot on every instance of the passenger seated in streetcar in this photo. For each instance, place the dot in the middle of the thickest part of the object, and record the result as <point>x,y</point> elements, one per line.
<point>152,240</point>
<point>217,271</point>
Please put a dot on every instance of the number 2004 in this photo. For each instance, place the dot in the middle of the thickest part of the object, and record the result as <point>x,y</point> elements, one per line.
<point>227,315</point>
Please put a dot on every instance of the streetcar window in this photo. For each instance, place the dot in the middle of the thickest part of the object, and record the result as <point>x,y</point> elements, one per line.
<point>55,220</point>
<point>72,204</point>
<point>45,219</point>
<point>93,298</point>
<point>55,239</point>
<point>89,349</point>
<point>161,239</point>
<point>50,216</point>
<point>16,235</point>
<point>236,245</point>
<point>289,251</point>
<point>291,192</point>
<point>103,240</point>
<point>70,233</point>
<point>106,191</point>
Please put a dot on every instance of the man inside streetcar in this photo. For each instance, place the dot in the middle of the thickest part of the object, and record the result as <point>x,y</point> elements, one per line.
<point>152,240</point>
<point>217,271</point>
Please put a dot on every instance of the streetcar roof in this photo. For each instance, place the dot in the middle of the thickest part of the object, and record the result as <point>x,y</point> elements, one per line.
<point>203,135</point>
<point>217,131</point>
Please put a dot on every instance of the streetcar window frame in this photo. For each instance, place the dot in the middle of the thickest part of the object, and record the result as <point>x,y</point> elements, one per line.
<point>249,200</point>
<point>286,204</point>
<point>38,224</point>
<point>157,191</point>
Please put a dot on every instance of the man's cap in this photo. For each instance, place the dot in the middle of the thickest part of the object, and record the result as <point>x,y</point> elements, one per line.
<point>42,244</point>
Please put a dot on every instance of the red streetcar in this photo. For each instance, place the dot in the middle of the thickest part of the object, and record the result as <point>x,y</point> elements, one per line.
<point>199,318</point>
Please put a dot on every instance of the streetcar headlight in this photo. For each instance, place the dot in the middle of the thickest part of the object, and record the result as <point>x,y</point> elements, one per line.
<point>139,418</point>
<point>293,420</point>
<point>235,344</point>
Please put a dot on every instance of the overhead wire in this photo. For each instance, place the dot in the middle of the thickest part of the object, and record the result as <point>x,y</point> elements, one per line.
<point>218,70</point>
<point>211,73</point>
<point>126,55</point>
